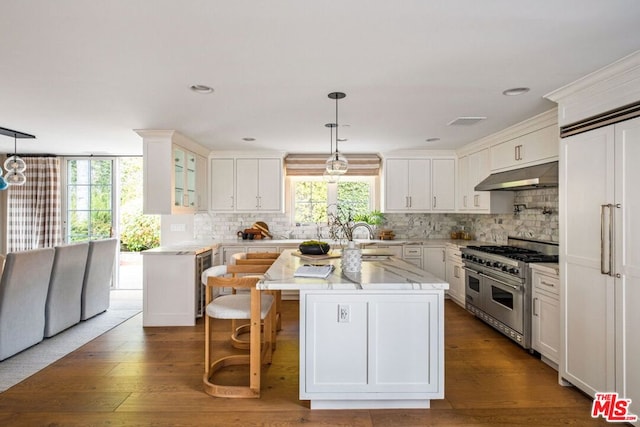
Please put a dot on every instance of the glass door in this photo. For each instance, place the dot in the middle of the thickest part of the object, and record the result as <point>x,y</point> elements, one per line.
<point>89,203</point>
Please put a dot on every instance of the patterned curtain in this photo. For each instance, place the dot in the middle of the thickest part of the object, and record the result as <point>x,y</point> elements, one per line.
<point>33,209</point>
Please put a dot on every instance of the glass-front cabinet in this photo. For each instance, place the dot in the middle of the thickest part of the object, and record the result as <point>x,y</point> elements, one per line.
<point>185,178</point>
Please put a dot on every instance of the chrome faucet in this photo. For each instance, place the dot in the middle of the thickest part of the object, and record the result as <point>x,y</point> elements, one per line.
<point>365,225</point>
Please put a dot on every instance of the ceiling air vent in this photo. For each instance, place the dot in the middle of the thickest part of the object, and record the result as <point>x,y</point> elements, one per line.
<point>465,121</point>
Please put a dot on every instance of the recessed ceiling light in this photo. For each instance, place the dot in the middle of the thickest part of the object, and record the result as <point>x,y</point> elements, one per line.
<point>432,139</point>
<point>515,91</point>
<point>203,89</point>
<point>248,139</point>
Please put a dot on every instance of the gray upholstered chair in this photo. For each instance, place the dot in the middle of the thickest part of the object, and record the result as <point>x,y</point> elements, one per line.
<point>23,294</point>
<point>97,277</point>
<point>63,306</point>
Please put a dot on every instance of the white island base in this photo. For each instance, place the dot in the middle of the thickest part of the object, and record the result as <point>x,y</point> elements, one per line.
<point>368,342</point>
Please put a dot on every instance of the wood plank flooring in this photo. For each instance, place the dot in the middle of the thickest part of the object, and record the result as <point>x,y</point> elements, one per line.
<point>135,376</point>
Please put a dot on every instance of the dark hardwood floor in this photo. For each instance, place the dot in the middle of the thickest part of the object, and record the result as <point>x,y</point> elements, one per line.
<point>153,376</point>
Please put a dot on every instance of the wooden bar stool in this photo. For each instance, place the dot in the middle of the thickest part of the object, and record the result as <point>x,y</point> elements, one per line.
<point>253,306</point>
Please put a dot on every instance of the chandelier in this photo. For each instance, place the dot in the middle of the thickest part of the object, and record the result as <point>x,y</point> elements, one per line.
<point>337,164</point>
<point>14,165</point>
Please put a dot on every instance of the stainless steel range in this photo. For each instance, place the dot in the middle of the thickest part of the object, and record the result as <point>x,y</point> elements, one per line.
<point>498,284</point>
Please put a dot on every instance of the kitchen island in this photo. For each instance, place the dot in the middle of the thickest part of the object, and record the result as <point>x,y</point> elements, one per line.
<point>369,340</point>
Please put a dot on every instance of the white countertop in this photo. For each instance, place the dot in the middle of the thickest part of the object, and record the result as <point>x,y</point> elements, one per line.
<point>386,274</point>
<point>198,246</point>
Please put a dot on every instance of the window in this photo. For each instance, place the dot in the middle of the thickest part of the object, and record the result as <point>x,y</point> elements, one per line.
<point>312,196</point>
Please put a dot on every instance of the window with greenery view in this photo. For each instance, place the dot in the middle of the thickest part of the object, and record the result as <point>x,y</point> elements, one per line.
<point>89,199</point>
<point>313,196</point>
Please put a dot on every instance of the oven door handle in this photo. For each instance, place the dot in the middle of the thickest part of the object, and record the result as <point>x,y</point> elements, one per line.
<point>471,270</point>
<point>514,287</point>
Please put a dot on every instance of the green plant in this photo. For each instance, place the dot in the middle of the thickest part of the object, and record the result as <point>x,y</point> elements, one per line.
<point>140,232</point>
<point>371,218</point>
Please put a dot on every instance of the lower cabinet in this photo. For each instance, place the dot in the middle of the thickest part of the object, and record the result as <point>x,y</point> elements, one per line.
<point>455,276</point>
<point>434,260</point>
<point>373,346</point>
<point>412,254</point>
<point>545,323</point>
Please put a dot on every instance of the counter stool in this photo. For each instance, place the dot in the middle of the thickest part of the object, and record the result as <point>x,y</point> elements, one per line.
<point>237,306</point>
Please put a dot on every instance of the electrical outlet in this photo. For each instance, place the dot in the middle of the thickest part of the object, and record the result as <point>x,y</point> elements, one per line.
<point>344,313</point>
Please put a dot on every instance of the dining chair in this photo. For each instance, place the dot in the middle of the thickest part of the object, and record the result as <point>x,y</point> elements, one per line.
<point>253,306</point>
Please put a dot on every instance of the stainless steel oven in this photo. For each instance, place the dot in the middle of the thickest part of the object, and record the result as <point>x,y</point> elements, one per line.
<point>497,284</point>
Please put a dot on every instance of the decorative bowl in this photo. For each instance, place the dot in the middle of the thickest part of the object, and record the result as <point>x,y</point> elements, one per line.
<point>314,248</point>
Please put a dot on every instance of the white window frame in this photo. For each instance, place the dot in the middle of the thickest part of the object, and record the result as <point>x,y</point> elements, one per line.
<point>332,191</point>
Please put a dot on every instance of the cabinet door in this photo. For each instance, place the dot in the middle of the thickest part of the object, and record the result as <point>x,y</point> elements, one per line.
<point>419,181</point>
<point>247,184</point>
<point>201,183</point>
<point>396,181</point>
<point>434,260</point>
<point>628,261</point>
<point>180,197</point>
<point>191,180</point>
<point>269,185</point>
<point>444,185</point>
<point>545,325</point>
<point>587,316</point>
<point>478,170</point>
<point>535,147</point>
<point>464,202</point>
<point>221,184</point>
<point>454,275</point>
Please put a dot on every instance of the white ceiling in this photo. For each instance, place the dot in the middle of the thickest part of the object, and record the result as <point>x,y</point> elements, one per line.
<point>81,75</point>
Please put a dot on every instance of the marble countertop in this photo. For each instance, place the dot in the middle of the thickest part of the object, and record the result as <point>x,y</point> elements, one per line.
<point>198,246</point>
<point>381,273</point>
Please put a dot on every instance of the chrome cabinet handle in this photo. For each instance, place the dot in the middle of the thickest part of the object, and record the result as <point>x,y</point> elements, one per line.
<point>603,209</point>
<point>542,282</point>
<point>535,305</point>
<point>434,202</point>
<point>464,201</point>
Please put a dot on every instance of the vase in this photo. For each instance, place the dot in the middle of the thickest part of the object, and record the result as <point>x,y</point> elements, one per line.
<point>351,258</point>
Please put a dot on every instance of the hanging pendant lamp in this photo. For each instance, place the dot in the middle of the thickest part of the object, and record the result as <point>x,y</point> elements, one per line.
<point>14,165</point>
<point>337,164</point>
<point>330,178</point>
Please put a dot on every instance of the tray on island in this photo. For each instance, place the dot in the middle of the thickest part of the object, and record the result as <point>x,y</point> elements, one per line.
<point>316,257</point>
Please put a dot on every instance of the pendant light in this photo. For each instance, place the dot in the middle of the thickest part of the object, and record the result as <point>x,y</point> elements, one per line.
<point>328,177</point>
<point>337,164</point>
<point>14,165</point>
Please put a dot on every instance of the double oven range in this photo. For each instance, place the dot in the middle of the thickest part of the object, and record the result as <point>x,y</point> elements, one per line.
<point>498,284</point>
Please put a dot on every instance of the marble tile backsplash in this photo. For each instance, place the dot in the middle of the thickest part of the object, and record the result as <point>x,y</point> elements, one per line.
<point>529,222</point>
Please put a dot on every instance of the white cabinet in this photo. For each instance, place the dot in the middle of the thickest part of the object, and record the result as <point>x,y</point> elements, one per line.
<point>171,288</point>
<point>454,275</point>
<point>539,146</point>
<point>407,185</point>
<point>419,185</point>
<point>222,184</point>
<point>600,254</point>
<point>472,169</point>
<point>443,185</point>
<point>545,310</point>
<point>174,173</point>
<point>374,346</point>
<point>433,261</point>
<point>246,184</point>
<point>412,254</point>
<point>258,184</point>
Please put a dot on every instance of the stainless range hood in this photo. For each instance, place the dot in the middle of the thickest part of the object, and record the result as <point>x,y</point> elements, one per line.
<point>545,175</point>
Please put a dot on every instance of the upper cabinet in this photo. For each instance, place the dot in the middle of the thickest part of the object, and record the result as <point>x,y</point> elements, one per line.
<point>259,185</point>
<point>539,146</point>
<point>419,184</point>
<point>174,173</point>
<point>473,168</point>
<point>407,185</point>
<point>246,184</point>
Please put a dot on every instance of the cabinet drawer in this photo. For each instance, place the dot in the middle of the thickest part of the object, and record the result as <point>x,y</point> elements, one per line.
<point>411,251</point>
<point>546,283</point>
